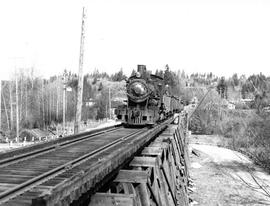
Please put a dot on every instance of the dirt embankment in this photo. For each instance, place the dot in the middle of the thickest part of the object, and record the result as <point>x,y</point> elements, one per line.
<point>225,177</point>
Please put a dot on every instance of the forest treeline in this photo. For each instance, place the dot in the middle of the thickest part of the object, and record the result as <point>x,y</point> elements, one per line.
<point>40,101</point>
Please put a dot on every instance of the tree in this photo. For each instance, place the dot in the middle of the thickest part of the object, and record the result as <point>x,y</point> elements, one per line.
<point>183,74</point>
<point>87,88</point>
<point>102,104</point>
<point>159,73</point>
<point>222,88</point>
<point>118,76</point>
<point>170,77</point>
<point>133,72</point>
<point>100,87</point>
<point>94,81</point>
<point>235,80</point>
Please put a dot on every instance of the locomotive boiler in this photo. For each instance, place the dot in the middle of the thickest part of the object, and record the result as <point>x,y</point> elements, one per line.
<point>148,100</point>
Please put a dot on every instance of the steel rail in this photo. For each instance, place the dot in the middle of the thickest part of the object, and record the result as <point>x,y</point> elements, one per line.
<point>28,155</point>
<point>25,186</point>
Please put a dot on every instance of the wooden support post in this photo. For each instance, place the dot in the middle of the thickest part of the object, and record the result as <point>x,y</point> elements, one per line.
<point>156,183</point>
<point>136,176</point>
<point>143,194</point>
<point>160,153</point>
<point>138,196</point>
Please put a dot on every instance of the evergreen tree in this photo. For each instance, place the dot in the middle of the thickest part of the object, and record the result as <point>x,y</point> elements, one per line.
<point>222,88</point>
<point>118,76</point>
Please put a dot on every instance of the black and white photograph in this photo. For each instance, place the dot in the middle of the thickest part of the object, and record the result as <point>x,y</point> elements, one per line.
<point>135,103</point>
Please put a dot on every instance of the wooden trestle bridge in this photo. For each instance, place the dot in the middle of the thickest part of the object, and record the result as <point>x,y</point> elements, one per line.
<point>111,166</point>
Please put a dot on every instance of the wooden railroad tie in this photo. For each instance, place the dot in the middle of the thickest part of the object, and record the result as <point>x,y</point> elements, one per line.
<point>157,177</point>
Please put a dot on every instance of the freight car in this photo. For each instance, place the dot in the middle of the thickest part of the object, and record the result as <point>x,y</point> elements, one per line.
<point>148,100</point>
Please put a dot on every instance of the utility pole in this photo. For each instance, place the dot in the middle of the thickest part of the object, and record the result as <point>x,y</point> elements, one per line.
<point>43,102</point>
<point>5,108</point>
<point>80,75</point>
<point>49,104</point>
<point>17,107</point>
<point>106,112</point>
<point>53,112</point>
<point>57,98</point>
<point>110,103</point>
<point>11,105</point>
<point>21,98</point>
<point>64,98</point>
<point>26,100</point>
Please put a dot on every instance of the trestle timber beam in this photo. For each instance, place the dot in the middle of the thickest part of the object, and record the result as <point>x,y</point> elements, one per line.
<point>158,177</point>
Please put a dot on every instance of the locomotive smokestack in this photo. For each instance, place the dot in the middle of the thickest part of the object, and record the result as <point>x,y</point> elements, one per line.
<point>141,69</point>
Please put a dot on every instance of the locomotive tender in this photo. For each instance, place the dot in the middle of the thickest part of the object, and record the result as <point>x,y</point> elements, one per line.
<point>148,100</point>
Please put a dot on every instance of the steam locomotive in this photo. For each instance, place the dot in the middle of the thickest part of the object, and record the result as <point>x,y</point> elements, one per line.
<point>148,100</point>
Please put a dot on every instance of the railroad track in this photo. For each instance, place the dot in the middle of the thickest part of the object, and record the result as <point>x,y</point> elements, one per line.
<point>60,172</point>
<point>26,176</point>
<point>47,148</point>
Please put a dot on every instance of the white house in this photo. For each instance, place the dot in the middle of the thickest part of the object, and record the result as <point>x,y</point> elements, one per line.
<point>231,105</point>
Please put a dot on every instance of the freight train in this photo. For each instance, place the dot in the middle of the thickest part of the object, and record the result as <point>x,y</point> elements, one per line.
<point>148,100</point>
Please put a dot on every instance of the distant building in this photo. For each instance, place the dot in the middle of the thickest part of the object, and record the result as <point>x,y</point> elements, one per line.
<point>231,105</point>
<point>266,109</point>
<point>227,104</point>
<point>248,102</point>
<point>194,100</point>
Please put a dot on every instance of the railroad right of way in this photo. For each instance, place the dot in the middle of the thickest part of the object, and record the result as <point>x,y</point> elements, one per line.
<point>62,171</point>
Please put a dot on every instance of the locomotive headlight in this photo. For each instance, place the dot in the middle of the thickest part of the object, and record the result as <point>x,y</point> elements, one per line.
<point>139,89</point>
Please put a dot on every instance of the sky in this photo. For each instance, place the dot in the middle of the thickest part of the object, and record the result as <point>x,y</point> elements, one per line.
<point>219,36</point>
